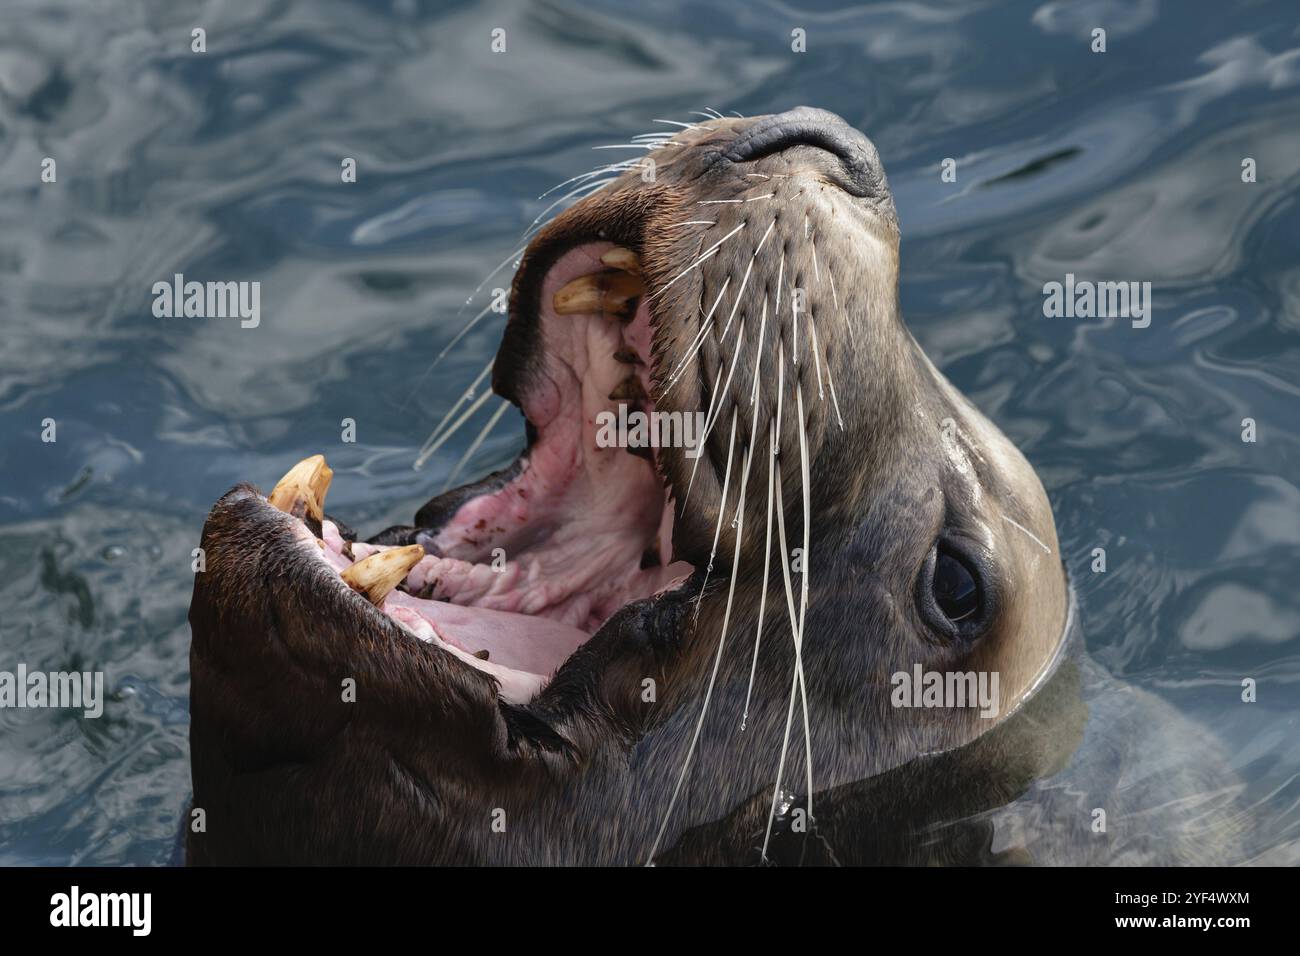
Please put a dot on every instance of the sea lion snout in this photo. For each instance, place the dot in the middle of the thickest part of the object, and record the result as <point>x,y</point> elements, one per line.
<point>863,174</point>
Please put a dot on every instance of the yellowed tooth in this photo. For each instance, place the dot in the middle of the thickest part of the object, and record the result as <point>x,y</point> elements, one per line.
<point>603,292</point>
<point>301,492</point>
<point>620,258</point>
<point>378,574</point>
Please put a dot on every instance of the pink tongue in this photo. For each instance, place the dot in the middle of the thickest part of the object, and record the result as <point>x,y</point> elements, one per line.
<point>534,644</point>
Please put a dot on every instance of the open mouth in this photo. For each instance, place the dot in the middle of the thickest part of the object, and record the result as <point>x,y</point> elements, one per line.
<point>514,573</point>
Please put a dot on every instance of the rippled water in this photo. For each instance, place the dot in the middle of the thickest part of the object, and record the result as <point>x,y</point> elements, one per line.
<point>225,165</point>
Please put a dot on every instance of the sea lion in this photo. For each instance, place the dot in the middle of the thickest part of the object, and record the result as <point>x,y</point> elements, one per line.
<point>612,652</point>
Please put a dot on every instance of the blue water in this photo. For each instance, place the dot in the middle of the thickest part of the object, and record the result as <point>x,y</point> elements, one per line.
<point>225,165</point>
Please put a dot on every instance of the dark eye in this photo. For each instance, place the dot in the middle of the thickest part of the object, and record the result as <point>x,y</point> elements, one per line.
<point>954,587</point>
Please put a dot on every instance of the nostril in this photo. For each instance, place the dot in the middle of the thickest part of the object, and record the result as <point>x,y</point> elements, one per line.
<point>806,126</point>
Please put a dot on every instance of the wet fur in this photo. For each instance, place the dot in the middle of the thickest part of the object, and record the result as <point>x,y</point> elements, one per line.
<point>413,771</point>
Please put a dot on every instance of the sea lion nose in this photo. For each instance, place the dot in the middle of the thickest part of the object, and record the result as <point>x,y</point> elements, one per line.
<point>806,126</point>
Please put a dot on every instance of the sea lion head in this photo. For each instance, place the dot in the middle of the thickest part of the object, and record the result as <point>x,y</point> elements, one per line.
<point>824,513</point>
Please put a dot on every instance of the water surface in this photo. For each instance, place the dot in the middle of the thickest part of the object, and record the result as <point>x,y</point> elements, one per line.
<point>225,166</point>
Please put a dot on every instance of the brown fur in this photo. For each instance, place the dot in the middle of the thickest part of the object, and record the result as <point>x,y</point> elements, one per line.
<point>413,771</point>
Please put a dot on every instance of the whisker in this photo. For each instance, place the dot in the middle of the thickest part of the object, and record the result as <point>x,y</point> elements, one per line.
<point>796,680</point>
<point>722,638</point>
<point>767,545</point>
<point>713,397</point>
<point>587,188</point>
<point>684,125</point>
<point>780,389</point>
<point>598,171</point>
<point>780,276</point>
<point>513,257</point>
<point>709,252</point>
<point>817,357</point>
<point>794,321</point>
<point>695,342</point>
<point>433,446</point>
<point>1028,532</point>
<point>710,417</point>
<point>745,281</point>
<point>464,397</point>
<point>757,198</point>
<point>806,484</point>
<point>753,392</point>
<point>469,327</point>
<point>469,452</point>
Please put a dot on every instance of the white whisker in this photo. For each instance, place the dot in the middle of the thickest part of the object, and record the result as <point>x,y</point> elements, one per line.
<point>469,452</point>
<point>758,348</point>
<point>513,257</point>
<point>586,189</point>
<point>780,278</point>
<point>1028,532</point>
<point>598,171</point>
<point>714,411</point>
<point>707,253</point>
<point>767,546</point>
<point>797,627</point>
<point>722,638</point>
<point>713,397</point>
<point>794,321</point>
<point>469,327</point>
<point>745,281</point>
<point>817,357</point>
<point>796,680</point>
<point>464,397</point>
<point>806,483</point>
<point>433,446</point>
<point>684,125</point>
<point>695,342</point>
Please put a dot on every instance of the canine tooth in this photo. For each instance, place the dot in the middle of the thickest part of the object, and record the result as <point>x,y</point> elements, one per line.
<point>628,390</point>
<point>607,292</point>
<point>301,492</point>
<point>620,258</point>
<point>627,356</point>
<point>378,574</point>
